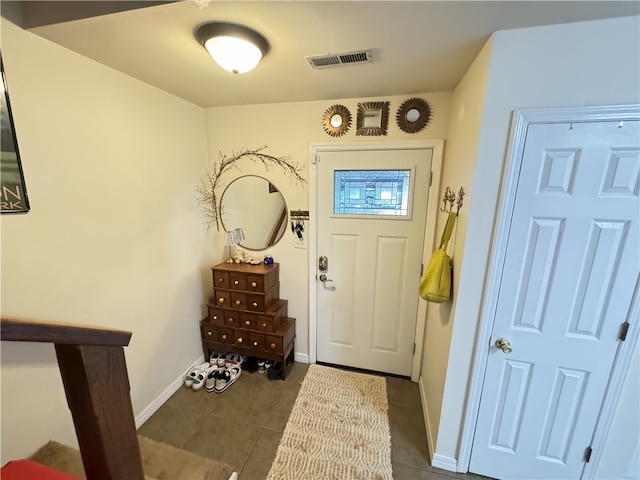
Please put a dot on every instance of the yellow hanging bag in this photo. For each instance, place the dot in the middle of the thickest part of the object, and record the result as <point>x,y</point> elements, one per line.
<point>435,285</point>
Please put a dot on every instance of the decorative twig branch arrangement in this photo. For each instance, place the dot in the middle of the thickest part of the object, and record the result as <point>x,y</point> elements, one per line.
<point>450,198</point>
<point>208,189</point>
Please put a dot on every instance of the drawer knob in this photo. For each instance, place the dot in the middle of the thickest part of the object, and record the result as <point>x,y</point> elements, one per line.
<point>221,300</point>
<point>238,302</point>
<point>255,304</point>
<point>247,322</point>
<point>209,333</point>
<point>239,340</point>
<point>215,317</point>
<point>220,280</point>
<point>224,336</point>
<point>254,284</point>
<point>236,282</point>
<point>264,324</point>
<point>255,344</point>
<point>273,345</point>
<point>230,320</point>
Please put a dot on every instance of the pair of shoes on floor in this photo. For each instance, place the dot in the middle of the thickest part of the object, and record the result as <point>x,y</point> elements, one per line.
<point>222,359</point>
<point>220,378</point>
<point>264,365</point>
<point>195,379</point>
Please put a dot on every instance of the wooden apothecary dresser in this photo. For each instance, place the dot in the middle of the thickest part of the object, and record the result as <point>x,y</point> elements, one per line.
<point>247,315</point>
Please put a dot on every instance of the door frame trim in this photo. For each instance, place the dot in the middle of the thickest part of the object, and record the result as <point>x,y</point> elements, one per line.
<point>437,147</point>
<point>521,119</point>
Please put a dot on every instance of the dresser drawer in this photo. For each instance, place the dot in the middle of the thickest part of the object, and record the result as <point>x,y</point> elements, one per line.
<point>208,331</point>
<point>231,318</point>
<point>248,320</point>
<point>274,344</point>
<point>282,337</point>
<point>216,315</point>
<point>256,341</point>
<point>269,321</point>
<point>223,334</point>
<point>238,281</point>
<point>223,298</point>
<point>239,300</point>
<point>221,279</point>
<point>241,338</point>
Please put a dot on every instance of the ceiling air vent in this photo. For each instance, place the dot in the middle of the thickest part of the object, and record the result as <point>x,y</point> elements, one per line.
<point>338,59</point>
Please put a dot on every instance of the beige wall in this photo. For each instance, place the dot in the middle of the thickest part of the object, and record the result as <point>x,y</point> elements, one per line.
<point>589,63</point>
<point>114,236</point>
<point>459,162</point>
<point>288,130</point>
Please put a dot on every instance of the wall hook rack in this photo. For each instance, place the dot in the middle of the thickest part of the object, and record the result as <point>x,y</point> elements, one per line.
<point>450,198</point>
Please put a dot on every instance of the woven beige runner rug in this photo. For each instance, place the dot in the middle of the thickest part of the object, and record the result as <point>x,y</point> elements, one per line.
<point>338,429</point>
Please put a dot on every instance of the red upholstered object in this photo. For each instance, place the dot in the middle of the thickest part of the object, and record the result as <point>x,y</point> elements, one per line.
<point>28,470</point>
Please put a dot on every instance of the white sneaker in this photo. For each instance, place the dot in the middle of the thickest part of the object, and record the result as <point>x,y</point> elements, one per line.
<point>192,375</point>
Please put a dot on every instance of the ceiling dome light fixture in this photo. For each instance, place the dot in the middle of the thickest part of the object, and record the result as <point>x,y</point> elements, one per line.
<point>234,47</point>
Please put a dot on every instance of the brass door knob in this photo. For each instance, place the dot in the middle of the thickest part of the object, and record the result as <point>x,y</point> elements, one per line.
<point>504,345</point>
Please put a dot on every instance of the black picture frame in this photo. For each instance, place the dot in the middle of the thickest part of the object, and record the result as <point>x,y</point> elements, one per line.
<point>13,191</point>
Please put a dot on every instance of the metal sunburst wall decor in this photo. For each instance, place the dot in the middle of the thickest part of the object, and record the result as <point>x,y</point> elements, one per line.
<point>413,115</point>
<point>336,120</point>
<point>372,119</point>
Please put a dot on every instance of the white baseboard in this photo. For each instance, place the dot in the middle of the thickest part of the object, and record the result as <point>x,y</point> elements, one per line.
<point>437,460</point>
<point>164,396</point>
<point>301,357</point>
<point>427,423</point>
<point>445,463</point>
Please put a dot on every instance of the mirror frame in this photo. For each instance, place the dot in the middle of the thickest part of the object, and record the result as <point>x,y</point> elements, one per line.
<point>272,240</point>
<point>343,128</point>
<point>363,107</point>
<point>424,115</point>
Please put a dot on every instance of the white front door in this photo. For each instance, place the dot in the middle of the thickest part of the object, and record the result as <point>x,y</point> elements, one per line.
<point>372,207</point>
<point>571,264</point>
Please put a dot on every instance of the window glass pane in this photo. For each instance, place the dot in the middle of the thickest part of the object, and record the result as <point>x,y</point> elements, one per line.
<point>371,192</point>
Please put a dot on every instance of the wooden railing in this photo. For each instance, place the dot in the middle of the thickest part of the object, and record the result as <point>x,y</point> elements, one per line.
<point>96,383</point>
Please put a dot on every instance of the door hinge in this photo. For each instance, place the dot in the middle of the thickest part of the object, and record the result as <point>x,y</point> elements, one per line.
<point>623,331</point>
<point>587,454</point>
<point>421,269</point>
<point>430,178</point>
<point>414,348</point>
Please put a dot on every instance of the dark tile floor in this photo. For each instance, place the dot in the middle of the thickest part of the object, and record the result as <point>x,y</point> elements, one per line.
<point>242,426</point>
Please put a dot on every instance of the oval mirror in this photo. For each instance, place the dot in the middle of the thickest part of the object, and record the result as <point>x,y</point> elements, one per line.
<point>255,205</point>
<point>413,115</point>
<point>336,121</point>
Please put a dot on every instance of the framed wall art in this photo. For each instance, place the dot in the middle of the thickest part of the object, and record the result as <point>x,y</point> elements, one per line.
<point>373,118</point>
<point>13,192</point>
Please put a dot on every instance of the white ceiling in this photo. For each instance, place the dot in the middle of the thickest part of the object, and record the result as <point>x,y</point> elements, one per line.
<point>418,46</point>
